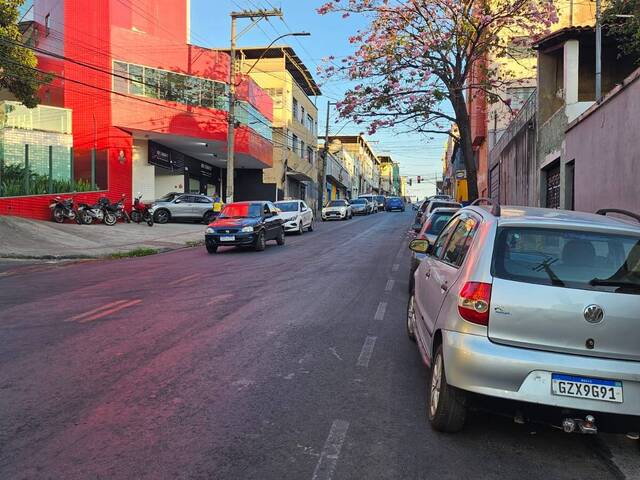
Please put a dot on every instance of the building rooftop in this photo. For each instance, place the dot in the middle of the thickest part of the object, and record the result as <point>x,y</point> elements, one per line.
<point>562,35</point>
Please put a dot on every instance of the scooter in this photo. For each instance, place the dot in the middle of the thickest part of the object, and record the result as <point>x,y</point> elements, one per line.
<point>140,212</point>
<point>98,212</point>
<point>61,209</point>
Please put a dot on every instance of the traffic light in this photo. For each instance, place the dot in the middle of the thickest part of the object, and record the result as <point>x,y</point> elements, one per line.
<point>419,179</point>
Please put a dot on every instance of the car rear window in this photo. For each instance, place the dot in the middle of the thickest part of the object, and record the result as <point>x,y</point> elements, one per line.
<point>444,204</point>
<point>570,259</point>
<point>438,222</point>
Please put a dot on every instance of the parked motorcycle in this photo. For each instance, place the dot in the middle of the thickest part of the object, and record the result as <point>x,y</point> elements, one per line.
<point>140,212</point>
<point>119,211</point>
<point>99,212</point>
<point>61,209</point>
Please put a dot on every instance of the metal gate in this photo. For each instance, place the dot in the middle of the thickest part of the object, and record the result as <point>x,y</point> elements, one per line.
<point>553,187</point>
<point>494,183</point>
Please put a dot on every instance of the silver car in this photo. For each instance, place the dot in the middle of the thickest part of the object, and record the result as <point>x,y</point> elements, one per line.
<point>186,206</point>
<point>537,306</point>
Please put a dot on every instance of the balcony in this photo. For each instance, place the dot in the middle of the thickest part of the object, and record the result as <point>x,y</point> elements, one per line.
<point>337,171</point>
<point>41,118</point>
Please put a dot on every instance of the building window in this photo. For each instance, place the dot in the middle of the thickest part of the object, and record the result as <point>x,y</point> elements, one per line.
<point>294,142</point>
<point>310,123</point>
<point>120,77</point>
<point>295,109</point>
<point>309,154</point>
<point>302,115</point>
<point>47,28</point>
<point>519,96</point>
<point>302,149</point>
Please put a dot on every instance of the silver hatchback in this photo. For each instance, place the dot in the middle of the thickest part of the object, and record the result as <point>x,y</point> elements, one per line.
<point>536,306</point>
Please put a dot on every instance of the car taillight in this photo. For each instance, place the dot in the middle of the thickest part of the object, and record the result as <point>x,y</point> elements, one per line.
<point>473,302</point>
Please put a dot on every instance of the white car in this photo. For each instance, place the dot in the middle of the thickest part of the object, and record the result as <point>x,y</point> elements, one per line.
<point>337,209</point>
<point>372,200</point>
<point>297,216</point>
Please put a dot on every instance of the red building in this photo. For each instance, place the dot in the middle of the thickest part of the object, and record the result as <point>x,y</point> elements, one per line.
<point>149,110</point>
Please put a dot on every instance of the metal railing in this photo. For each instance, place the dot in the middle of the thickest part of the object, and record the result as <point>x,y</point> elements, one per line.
<point>526,113</point>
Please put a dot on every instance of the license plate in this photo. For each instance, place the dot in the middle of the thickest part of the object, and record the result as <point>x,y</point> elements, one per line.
<point>230,238</point>
<point>584,387</point>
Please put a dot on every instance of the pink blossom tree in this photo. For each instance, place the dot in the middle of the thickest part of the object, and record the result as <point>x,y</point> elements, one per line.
<point>418,62</point>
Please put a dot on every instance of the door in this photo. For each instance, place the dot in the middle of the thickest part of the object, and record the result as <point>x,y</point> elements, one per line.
<point>202,205</point>
<point>553,187</point>
<point>182,206</point>
<point>307,214</point>
<point>273,221</point>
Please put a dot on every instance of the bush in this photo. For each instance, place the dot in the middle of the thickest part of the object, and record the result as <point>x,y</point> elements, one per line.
<point>14,177</point>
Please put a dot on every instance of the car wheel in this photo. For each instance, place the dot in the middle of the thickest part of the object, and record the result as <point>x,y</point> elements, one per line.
<point>411,319</point>
<point>280,237</point>
<point>162,216</point>
<point>208,217</point>
<point>312,225</point>
<point>212,248</point>
<point>301,229</point>
<point>446,405</point>
<point>260,242</point>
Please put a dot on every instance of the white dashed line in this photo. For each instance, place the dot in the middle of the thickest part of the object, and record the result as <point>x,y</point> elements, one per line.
<point>395,268</point>
<point>184,279</point>
<point>382,308</point>
<point>389,286</point>
<point>331,451</point>
<point>367,350</point>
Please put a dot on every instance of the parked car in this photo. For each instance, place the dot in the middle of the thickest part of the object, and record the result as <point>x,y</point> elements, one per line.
<point>297,216</point>
<point>394,203</point>
<point>337,209</point>
<point>186,206</point>
<point>428,206</point>
<point>245,224</point>
<point>361,206</point>
<point>535,306</point>
<point>381,201</point>
<point>430,231</point>
<point>372,200</point>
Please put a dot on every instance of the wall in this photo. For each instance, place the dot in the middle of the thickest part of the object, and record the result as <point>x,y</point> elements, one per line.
<point>143,173</point>
<point>603,143</point>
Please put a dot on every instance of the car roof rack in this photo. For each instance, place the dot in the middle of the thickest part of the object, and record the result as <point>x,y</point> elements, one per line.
<point>604,211</point>
<point>495,206</point>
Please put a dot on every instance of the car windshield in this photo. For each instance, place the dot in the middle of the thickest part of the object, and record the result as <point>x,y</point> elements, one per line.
<point>380,198</point>
<point>287,206</point>
<point>358,201</point>
<point>337,203</point>
<point>571,259</point>
<point>437,223</point>
<point>393,199</point>
<point>168,197</point>
<point>242,210</point>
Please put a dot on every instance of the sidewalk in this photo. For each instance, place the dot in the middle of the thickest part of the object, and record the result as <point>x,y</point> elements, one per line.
<point>25,238</point>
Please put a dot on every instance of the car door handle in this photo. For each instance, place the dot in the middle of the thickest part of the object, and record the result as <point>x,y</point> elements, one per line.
<point>444,287</point>
<point>428,274</point>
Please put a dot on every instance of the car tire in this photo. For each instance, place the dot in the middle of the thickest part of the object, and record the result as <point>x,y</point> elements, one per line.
<point>411,319</point>
<point>446,405</point>
<point>260,242</point>
<point>162,216</point>
<point>301,229</point>
<point>208,217</point>
<point>312,225</point>
<point>280,237</point>
<point>212,249</point>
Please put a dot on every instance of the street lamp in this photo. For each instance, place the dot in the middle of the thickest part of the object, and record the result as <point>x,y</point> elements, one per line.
<point>266,49</point>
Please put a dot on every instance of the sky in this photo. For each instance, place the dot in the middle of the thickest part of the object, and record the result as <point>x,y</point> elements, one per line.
<point>211,26</point>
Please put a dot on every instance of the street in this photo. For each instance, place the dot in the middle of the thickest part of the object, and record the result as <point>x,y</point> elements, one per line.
<point>292,363</point>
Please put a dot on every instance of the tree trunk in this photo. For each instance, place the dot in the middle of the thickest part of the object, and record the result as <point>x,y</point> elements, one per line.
<point>464,128</point>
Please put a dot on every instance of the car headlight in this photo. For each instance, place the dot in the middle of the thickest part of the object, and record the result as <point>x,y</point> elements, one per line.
<point>247,229</point>
<point>209,230</point>
<point>292,220</point>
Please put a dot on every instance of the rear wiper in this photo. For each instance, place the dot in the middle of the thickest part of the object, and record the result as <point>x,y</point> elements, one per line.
<point>546,266</point>
<point>614,283</point>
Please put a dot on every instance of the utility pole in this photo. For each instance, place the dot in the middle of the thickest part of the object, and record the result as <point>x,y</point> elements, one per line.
<point>323,167</point>
<point>255,16</point>
<point>598,50</point>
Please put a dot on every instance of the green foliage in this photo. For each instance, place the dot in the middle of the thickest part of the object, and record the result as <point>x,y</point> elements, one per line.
<point>626,30</point>
<point>14,178</point>
<point>17,64</point>
<point>138,252</point>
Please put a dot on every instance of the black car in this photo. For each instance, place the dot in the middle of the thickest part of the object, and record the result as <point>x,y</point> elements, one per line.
<point>245,224</point>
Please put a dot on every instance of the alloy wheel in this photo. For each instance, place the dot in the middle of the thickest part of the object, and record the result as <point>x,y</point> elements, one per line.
<point>411,319</point>
<point>436,385</point>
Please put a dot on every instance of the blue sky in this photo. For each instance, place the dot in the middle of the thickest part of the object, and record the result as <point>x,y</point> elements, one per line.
<point>211,26</point>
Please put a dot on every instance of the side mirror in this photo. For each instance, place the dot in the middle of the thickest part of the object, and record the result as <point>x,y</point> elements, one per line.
<point>420,246</point>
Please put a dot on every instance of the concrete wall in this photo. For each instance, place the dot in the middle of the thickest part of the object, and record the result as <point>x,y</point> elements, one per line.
<point>604,144</point>
<point>143,173</point>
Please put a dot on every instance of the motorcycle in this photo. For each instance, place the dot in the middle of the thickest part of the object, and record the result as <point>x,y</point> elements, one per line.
<point>119,211</point>
<point>61,209</point>
<point>98,212</point>
<point>140,212</point>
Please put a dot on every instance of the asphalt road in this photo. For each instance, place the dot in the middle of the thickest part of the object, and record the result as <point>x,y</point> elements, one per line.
<point>287,364</point>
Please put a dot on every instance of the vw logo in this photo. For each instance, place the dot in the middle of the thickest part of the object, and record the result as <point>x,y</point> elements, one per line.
<point>593,313</point>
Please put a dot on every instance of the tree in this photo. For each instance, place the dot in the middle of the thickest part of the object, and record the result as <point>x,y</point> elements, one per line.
<point>621,20</point>
<point>17,64</point>
<point>418,61</point>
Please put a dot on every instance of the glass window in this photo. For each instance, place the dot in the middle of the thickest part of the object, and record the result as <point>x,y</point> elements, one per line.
<point>294,140</point>
<point>121,74</point>
<point>163,84</point>
<point>287,206</point>
<point>191,90</point>
<point>242,210</point>
<point>151,85</point>
<point>441,241</point>
<point>207,94</point>
<point>302,149</point>
<point>295,109</point>
<point>460,242</point>
<point>136,84</point>
<point>221,95</point>
<point>437,222</point>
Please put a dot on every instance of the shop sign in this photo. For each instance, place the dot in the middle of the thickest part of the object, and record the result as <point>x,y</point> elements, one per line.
<point>206,170</point>
<point>461,174</point>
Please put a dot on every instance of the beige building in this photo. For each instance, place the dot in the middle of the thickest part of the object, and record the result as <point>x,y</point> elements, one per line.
<point>287,80</point>
<point>366,170</point>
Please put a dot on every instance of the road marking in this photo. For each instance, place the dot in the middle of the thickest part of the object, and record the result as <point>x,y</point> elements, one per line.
<point>104,313</point>
<point>185,279</point>
<point>219,298</point>
<point>331,451</point>
<point>389,286</point>
<point>367,350</point>
<point>395,268</point>
<point>95,310</point>
<point>382,307</point>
